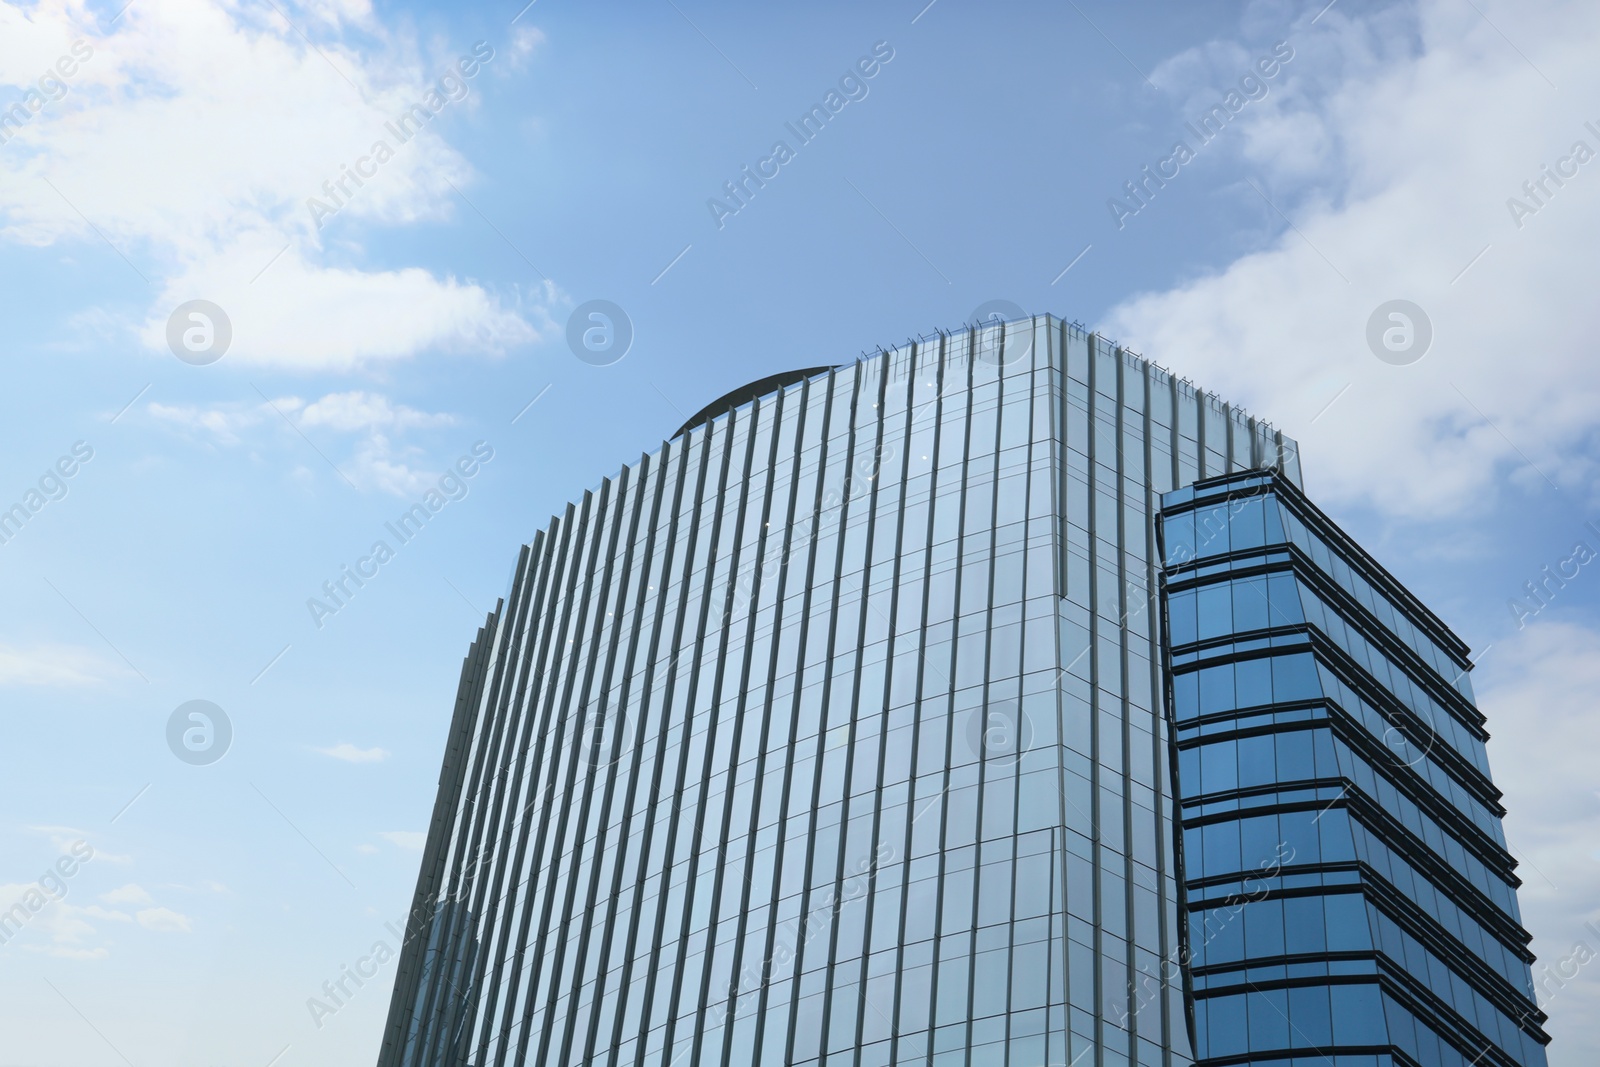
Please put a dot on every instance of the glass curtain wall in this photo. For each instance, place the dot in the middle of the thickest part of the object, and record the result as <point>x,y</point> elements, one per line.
<point>1350,900</point>
<point>829,732</point>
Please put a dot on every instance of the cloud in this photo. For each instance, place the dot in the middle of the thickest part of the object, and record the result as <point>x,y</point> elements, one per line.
<point>379,462</point>
<point>1362,145</point>
<point>192,137</point>
<point>64,666</point>
<point>525,39</point>
<point>163,920</point>
<point>128,894</point>
<point>357,410</point>
<point>351,754</point>
<point>46,916</point>
<point>407,839</point>
<point>1538,688</point>
<point>223,423</point>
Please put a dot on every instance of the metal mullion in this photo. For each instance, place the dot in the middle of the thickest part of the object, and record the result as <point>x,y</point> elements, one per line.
<point>597,596</point>
<point>1060,444</point>
<point>681,457</point>
<point>1093,598</point>
<point>754,610</point>
<point>855,691</point>
<point>916,731</point>
<point>559,587</point>
<point>1032,389</point>
<point>651,483</point>
<point>526,911</point>
<point>506,791</point>
<point>531,756</point>
<point>557,624</point>
<point>550,661</point>
<point>992,455</point>
<point>738,714</point>
<point>419,921</point>
<point>1124,609</point>
<point>668,692</point>
<point>520,787</point>
<point>1161,663</point>
<point>639,491</point>
<point>949,730</point>
<point>1165,737</point>
<point>804,395</point>
<point>696,670</point>
<point>888,675</point>
<point>464,921</point>
<point>804,622</point>
<point>423,1004</point>
<point>470,816</point>
<point>582,577</point>
<point>823,720</point>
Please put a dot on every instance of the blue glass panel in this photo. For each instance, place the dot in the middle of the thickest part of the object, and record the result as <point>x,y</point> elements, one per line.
<point>1218,768</point>
<point>1295,761</point>
<point>1177,532</point>
<point>1215,606</point>
<point>1250,604</point>
<point>1181,615</point>
<point>1257,758</point>
<point>1259,841</point>
<point>1229,1034</point>
<point>1246,526</point>
<point>1186,695</point>
<point>1216,689</point>
<point>1303,925</point>
<point>1273,515</point>
<point>1263,929</point>
<point>1347,922</point>
<point>1269,1019</point>
<point>1253,682</point>
<point>1221,847</point>
<point>1284,593</point>
<point>1308,1011</point>
<point>1295,678</point>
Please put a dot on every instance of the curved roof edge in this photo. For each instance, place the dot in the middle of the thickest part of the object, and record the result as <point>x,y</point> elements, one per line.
<point>746,393</point>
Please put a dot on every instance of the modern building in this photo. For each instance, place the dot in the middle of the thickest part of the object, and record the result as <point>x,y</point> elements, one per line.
<point>1346,880</point>
<point>843,729</point>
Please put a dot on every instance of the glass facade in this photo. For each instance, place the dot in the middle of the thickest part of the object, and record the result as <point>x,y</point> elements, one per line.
<point>1349,898</point>
<point>833,732</point>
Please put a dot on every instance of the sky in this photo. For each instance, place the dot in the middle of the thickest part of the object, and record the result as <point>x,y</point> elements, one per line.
<point>230,364</point>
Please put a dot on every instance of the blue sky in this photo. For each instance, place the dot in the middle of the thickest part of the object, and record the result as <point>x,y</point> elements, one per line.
<point>375,346</point>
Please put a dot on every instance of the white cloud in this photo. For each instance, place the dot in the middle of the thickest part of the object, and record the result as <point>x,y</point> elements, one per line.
<point>524,40</point>
<point>223,423</point>
<point>379,462</point>
<point>191,138</point>
<point>1394,141</point>
<point>1365,144</point>
<point>1538,690</point>
<point>351,754</point>
<point>163,920</point>
<point>67,666</point>
<point>46,922</point>
<point>407,839</point>
<point>128,894</point>
<point>357,410</point>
